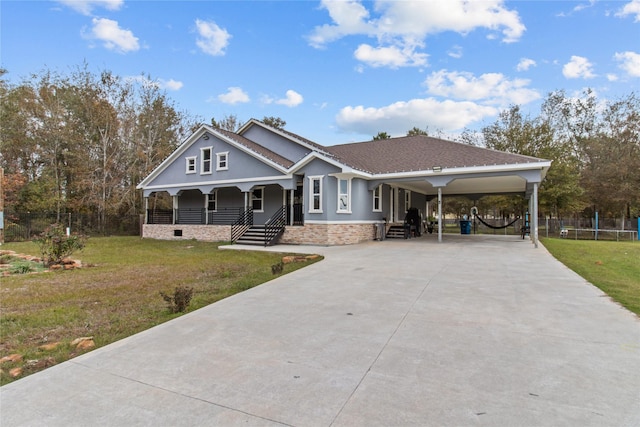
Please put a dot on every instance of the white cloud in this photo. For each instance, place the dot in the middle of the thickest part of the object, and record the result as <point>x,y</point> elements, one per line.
<point>86,7</point>
<point>292,99</point>
<point>631,8</point>
<point>170,84</point>
<point>525,64</point>
<point>490,88</point>
<point>578,67</point>
<point>349,17</point>
<point>234,95</point>
<point>629,62</point>
<point>401,116</point>
<point>455,52</point>
<point>401,27</point>
<point>114,37</point>
<point>212,39</point>
<point>391,56</point>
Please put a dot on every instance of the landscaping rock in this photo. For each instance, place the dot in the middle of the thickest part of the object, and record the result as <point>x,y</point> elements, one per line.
<point>49,346</point>
<point>11,358</point>
<point>55,267</point>
<point>15,372</point>
<point>83,343</point>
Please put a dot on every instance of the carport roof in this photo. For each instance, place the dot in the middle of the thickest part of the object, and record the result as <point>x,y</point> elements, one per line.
<point>421,153</point>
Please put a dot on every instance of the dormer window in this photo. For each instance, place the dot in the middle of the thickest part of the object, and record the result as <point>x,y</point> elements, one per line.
<point>205,162</point>
<point>191,164</point>
<point>222,163</point>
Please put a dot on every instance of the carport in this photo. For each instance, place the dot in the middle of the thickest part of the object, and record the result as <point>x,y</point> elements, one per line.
<point>438,168</point>
<point>482,181</point>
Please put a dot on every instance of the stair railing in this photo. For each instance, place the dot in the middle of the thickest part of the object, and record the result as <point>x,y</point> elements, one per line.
<point>241,224</point>
<point>274,226</point>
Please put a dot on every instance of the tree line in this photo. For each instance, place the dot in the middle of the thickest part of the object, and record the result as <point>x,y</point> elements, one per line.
<point>82,142</point>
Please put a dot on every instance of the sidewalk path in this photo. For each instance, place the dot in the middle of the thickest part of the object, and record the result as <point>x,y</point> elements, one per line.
<point>474,331</point>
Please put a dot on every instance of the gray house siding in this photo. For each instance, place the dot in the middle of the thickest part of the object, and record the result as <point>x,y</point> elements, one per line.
<point>276,143</point>
<point>241,165</point>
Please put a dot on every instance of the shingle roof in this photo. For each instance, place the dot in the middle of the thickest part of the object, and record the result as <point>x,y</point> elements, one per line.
<point>257,148</point>
<point>419,153</point>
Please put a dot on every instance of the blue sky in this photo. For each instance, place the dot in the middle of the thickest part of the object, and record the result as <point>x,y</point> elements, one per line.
<point>338,71</point>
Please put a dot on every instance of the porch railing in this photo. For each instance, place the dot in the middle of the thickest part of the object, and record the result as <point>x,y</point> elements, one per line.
<point>223,216</point>
<point>190,216</point>
<point>242,224</point>
<point>274,226</point>
<point>159,216</point>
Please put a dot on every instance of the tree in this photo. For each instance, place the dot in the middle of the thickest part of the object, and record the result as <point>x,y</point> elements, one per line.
<point>417,131</point>
<point>230,123</point>
<point>611,176</point>
<point>560,192</point>
<point>274,122</point>
<point>381,135</point>
<point>83,142</point>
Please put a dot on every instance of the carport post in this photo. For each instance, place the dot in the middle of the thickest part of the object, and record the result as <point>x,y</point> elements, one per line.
<point>535,215</point>
<point>439,214</point>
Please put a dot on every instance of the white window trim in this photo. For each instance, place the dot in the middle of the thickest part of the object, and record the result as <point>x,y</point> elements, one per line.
<point>208,198</point>
<point>311,193</point>
<point>261,199</point>
<point>202,160</point>
<point>373,203</point>
<point>194,159</point>
<point>407,200</point>
<point>226,156</point>
<point>346,209</point>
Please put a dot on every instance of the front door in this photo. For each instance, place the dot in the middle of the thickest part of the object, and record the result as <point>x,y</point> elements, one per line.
<point>295,207</point>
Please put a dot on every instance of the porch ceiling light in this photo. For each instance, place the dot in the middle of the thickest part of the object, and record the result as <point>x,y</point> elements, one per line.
<point>437,168</point>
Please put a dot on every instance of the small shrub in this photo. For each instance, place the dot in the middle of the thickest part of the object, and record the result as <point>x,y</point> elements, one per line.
<point>277,268</point>
<point>55,245</point>
<point>179,302</point>
<point>22,267</point>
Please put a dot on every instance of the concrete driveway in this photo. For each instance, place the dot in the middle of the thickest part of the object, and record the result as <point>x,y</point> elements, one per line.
<point>477,330</point>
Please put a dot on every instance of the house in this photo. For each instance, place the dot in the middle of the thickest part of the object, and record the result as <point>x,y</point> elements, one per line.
<point>269,185</point>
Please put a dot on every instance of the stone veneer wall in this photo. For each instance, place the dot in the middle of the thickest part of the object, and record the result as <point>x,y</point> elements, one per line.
<point>309,234</point>
<point>328,234</point>
<point>207,233</point>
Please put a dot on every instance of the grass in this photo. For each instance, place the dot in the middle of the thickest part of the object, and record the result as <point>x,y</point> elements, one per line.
<point>117,294</point>
<point>614,267</point>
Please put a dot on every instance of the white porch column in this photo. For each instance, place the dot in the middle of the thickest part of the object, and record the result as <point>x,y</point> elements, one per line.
<point>439,214</point>
<point>175,209</point>
<point>291,194</point>
<point>534,214</point>
<point>146,210</point>
<point>246,200</point>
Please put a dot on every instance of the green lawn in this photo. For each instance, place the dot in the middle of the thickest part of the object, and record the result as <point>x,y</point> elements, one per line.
<point>117,294</point>
<point>613,267</point>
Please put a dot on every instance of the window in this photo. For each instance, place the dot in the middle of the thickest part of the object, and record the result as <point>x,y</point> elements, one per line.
<point>407,200</point>
<point>223,161</point>
<point>377,198</point>
<point>257,198</point>
<point>315,194</point>
<point>191,164</point>
<point>212,201</point>
<point>205,160</point>
<point>344,199</point>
